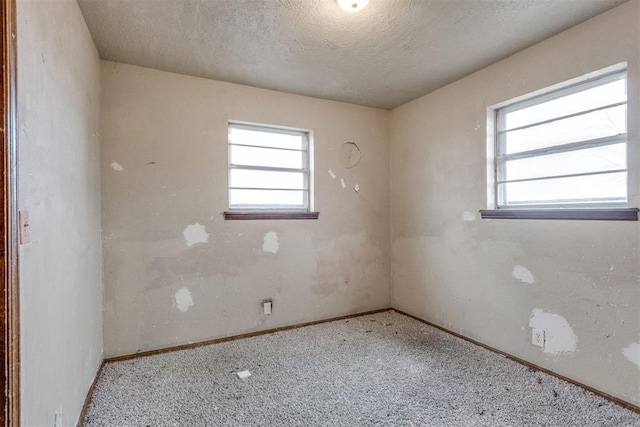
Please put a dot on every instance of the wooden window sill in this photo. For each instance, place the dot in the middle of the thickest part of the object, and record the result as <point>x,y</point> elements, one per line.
<point>244,215</point>
<point>611,214</point>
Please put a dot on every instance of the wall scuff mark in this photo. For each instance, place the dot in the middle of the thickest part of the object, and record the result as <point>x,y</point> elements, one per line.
<point>632,353</point>
<point>523,274</point>
<point>117,167</point>
<point>270,243</point>
<point>195,233</point>
<point>559,337</point>
<point>183,300</point>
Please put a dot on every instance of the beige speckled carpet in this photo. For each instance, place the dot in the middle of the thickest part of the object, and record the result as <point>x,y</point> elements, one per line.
<point>384,369</point>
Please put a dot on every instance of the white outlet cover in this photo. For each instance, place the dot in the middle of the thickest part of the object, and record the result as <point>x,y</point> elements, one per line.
<point>537,337</point>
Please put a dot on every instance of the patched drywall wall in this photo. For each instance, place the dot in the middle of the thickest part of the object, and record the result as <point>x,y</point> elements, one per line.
<point>559,337</point>
<point>59,184</point>
<point>491,280</point>
<point>175,271</point>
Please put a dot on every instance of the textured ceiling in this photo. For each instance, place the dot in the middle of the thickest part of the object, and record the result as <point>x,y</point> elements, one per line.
<point>391,52</point>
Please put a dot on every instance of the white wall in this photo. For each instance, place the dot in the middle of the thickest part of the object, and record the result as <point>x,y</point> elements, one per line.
<point>59,184</point>
<point>456,270</point>
<point>164,164</point>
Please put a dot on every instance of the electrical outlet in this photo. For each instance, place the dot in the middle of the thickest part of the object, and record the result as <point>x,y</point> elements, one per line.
<point>266,306</point>
<point>537,337</point>
<point>57,419</point>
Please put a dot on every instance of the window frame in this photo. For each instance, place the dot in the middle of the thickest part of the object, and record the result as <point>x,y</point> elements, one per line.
<point>246,212</point>
<point>601,210</point>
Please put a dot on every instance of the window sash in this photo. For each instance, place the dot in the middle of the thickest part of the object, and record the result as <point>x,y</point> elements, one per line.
<point>268,206</point>
<point>560,196</point>
<point>563,92</point>
<point>270,191</point>
<point>501,159</point>
<point>563,117</point>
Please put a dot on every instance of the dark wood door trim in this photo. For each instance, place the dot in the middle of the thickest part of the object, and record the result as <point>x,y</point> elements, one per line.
<point>11,353</point>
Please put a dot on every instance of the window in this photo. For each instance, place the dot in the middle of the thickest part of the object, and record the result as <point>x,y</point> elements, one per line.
<point>269,172</point>
<point>566,148</point>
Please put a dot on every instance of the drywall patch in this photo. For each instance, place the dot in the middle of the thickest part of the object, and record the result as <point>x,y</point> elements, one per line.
<point>523,274</point>
<point>195,233</point>
<point>183,300</point>
<point>116,166</point>
<point>559,337</point>
<point>468,216</point>
<point>632,353</point>
<point>270,242</point>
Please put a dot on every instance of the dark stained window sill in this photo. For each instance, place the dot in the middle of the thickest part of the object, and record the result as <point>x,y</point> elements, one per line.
<point>240,216</point>
<point>611,214</point>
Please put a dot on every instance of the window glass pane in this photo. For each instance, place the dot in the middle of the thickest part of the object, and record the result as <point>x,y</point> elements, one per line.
<point>597,124</point>
<point>252,156</point>
<point>266,138</point>
<point>594,97</point>
<point>257,156</point>
<point>597,159</point>
<point>610,187</point>
<point>246,178</point>
<point>267,199</point>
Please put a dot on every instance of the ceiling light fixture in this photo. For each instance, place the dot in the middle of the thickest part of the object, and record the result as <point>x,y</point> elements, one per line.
<point>352,5</point>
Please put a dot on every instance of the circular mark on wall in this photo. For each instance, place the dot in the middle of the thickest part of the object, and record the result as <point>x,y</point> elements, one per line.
<point>349,155</point>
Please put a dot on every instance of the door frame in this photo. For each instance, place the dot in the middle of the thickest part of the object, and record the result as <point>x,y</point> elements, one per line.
<point>11,300</point>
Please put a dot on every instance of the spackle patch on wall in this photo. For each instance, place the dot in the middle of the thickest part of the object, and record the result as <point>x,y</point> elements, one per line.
<point>632,353</point>
<point>117,167</point>
<point>523,274</point>
<point>270,242</point>
<point>195,233</point>
<point>183,300</point>
<point>342,183</point>
<point>468,216</point>
<point>331,174</point>
<point>559,337</point>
